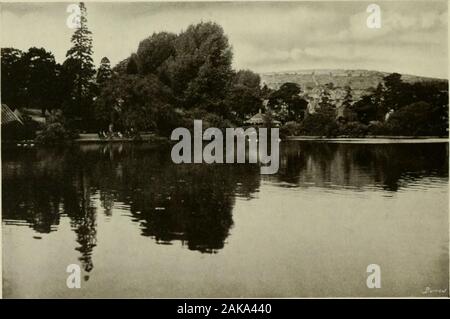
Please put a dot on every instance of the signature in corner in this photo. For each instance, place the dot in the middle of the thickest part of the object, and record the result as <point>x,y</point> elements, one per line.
<point>429,290</point>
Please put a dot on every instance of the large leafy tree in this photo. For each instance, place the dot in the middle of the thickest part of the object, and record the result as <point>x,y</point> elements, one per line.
<point>41,79</point>
<point>248,78</point>
<point>366,110</point>
<point>415,119</point>
<point>393,90</point>
<point>195,64</point>
<point>30,79</point>
<point>244,96</point>
<point>320,123</point>
<point>154,51</point>
<point>193,67</point>
<point>12,75</point>
<point>241,103</point>
<point>288,97</point>
<point>130,101</point>
<point>200,72</point>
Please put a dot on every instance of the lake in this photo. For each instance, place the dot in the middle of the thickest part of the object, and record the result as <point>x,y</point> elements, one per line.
<point>140,226</point>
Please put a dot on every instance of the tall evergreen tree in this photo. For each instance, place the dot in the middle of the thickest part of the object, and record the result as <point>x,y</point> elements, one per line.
<point>80,68</point>
<point>347,103</point>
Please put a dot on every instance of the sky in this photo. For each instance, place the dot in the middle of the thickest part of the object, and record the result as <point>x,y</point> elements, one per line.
<point>265,36</point>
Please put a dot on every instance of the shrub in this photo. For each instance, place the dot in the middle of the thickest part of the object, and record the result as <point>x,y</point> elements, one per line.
<point>54,133</point>
<point>290,128</point>
<point>415,119</point>
<point>353,129</point>
<point>214,120</point>
<point>378,128</point>
<point>321,123</point>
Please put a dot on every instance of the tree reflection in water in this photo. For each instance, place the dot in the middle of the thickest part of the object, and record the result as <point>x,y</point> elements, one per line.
<point>188,203</point>
<point>385,166</point>
<point>191,203</point>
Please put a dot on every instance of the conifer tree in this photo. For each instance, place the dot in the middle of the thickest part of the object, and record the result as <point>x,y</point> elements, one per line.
<point>80,69</point>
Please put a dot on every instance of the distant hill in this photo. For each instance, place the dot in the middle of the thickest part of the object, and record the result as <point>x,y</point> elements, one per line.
<point>361,82</point>
<point>358,80</point>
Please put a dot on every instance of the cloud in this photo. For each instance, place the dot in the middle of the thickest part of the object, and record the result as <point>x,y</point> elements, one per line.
<point>265,36</point>
<point>395,22</point>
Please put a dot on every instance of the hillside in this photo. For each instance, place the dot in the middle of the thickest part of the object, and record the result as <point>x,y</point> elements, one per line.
<point>313,82</point>
<point>358,80</point>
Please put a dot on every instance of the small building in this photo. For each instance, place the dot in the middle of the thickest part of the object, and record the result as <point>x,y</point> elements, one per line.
<point>13,127</point>
<point>19,125</point>
<point>8,116</point>
<point>257,119</point>
<point>261,119</point>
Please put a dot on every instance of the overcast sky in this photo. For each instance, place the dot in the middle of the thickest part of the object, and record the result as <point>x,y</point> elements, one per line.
<point>266,37</point>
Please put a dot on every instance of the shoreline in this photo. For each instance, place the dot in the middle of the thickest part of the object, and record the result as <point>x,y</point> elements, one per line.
<point>348,140</point>
<point>371,139</point>
<point>94,138</point>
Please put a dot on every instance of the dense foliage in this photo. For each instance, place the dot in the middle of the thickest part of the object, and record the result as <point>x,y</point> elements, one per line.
<point>394,107</point>
<point>175,78</point>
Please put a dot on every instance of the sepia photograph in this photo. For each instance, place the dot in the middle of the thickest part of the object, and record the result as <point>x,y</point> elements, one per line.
<point>224,149</point>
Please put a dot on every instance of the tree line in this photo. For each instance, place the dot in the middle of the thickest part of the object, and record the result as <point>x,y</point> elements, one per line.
<point>173,78</point>
<point>169,80</point>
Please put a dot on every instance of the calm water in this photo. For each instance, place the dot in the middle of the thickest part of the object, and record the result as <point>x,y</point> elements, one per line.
<point>140,226</point>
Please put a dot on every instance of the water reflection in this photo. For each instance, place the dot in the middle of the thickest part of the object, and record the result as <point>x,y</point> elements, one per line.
<point>192,204</point>
<point>359,166</point>
<point>170,202</point>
